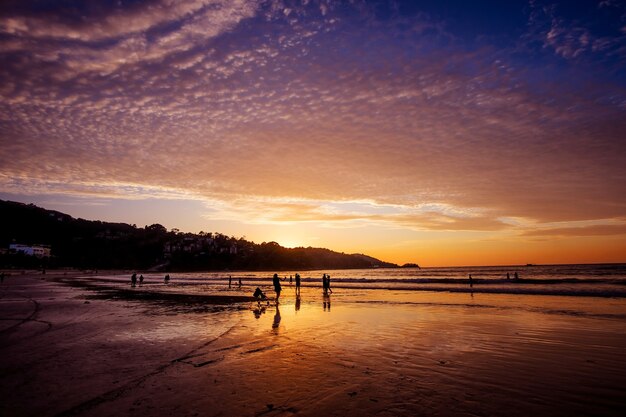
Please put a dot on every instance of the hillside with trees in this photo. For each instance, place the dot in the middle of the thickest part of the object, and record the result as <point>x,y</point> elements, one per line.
<point>88,244</point>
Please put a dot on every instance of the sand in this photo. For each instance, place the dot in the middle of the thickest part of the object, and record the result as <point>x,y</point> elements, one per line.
<point>67,349</point>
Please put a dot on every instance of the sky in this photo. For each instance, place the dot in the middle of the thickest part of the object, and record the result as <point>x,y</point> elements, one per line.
<point>440,133</point>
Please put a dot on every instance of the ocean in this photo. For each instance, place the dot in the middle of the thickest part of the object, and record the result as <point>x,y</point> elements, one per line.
<point>585,280</point>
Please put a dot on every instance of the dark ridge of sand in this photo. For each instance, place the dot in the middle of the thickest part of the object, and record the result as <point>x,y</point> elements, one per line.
<point>140,294</point>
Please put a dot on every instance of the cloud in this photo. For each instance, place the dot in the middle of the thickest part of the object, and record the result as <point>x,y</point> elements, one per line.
<point>283,112</point>
<point>571,36</point>
<point>102,21</point>
<point>595,230</point>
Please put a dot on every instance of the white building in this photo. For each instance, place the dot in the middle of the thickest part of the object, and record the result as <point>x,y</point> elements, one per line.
<point>39,251</point>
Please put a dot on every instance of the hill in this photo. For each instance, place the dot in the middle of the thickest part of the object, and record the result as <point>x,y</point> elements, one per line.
<point>89,244</point>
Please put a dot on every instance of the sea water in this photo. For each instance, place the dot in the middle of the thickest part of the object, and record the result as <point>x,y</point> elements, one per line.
<point>592,280</point>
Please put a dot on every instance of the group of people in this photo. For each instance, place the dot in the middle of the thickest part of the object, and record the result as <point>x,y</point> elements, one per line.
<point>326,284</point>
<point>230,281</point>
<point>133,280</point>
<point>508,276</point>
<point>259,295</point>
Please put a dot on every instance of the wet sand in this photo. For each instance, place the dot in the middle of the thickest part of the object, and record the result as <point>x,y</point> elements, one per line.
<point>70,349</point>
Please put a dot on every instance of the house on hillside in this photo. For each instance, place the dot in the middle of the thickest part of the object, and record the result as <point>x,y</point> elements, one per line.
<point>39,251</point>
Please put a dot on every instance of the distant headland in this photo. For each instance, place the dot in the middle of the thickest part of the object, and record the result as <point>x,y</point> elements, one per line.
<point>35,237</point>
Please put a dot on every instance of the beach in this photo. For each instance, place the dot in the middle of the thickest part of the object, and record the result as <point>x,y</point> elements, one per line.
<point>87,346</point>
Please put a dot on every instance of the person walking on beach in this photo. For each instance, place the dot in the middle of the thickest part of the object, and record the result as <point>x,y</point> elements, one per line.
<point>470,281</point>
<point>328,287</point>
<point>324,287</point>
<point>290,279</point>
<point>230,280</point>
<point>239,282</point>
<point>133,280</point>
<point>297,284</point>
<point>277,287</point>
<point>167,278</point>
<point>141,279</point>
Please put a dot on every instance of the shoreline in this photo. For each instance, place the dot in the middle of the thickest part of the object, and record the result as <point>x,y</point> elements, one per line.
<point>64,352</point>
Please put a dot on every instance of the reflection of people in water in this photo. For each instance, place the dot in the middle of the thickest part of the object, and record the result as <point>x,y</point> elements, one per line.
<point>277,287</point>
<point>258,311</point>
<point>326,302</point>
<point>298,302</point>
<point>276,322</point>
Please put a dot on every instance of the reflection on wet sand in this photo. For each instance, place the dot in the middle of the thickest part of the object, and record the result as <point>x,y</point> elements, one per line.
<point>260,309</point>
<point>276,322</point>
<point>386,353</point>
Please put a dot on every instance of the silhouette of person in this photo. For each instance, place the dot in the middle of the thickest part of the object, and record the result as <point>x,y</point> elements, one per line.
<point>167,278</point>
<point>470,281</point>
<point>258,294</point>
<point>239,282</point>
<point>230,280</point>
<point>297,284</point>
<point>324,284</point>
<point>328,286</point>
<point>277,287</point>
<point>290,279</point>
<point>133,280</point>
<point>516,276</point>
<point>141,279</point>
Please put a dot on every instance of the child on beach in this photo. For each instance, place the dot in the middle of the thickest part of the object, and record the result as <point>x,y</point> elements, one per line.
<point>259,295</point>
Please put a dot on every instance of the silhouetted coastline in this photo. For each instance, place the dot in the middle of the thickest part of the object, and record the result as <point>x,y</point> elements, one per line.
<point>87,244</point>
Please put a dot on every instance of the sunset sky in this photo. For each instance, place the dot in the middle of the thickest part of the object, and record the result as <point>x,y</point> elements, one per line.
<point>442,133</point>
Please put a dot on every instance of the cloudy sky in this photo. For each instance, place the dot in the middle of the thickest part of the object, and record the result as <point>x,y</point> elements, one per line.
<point>443,133</point>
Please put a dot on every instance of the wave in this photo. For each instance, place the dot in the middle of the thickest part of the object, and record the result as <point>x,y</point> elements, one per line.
<point>571,292</point>
<point>478,281</point>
